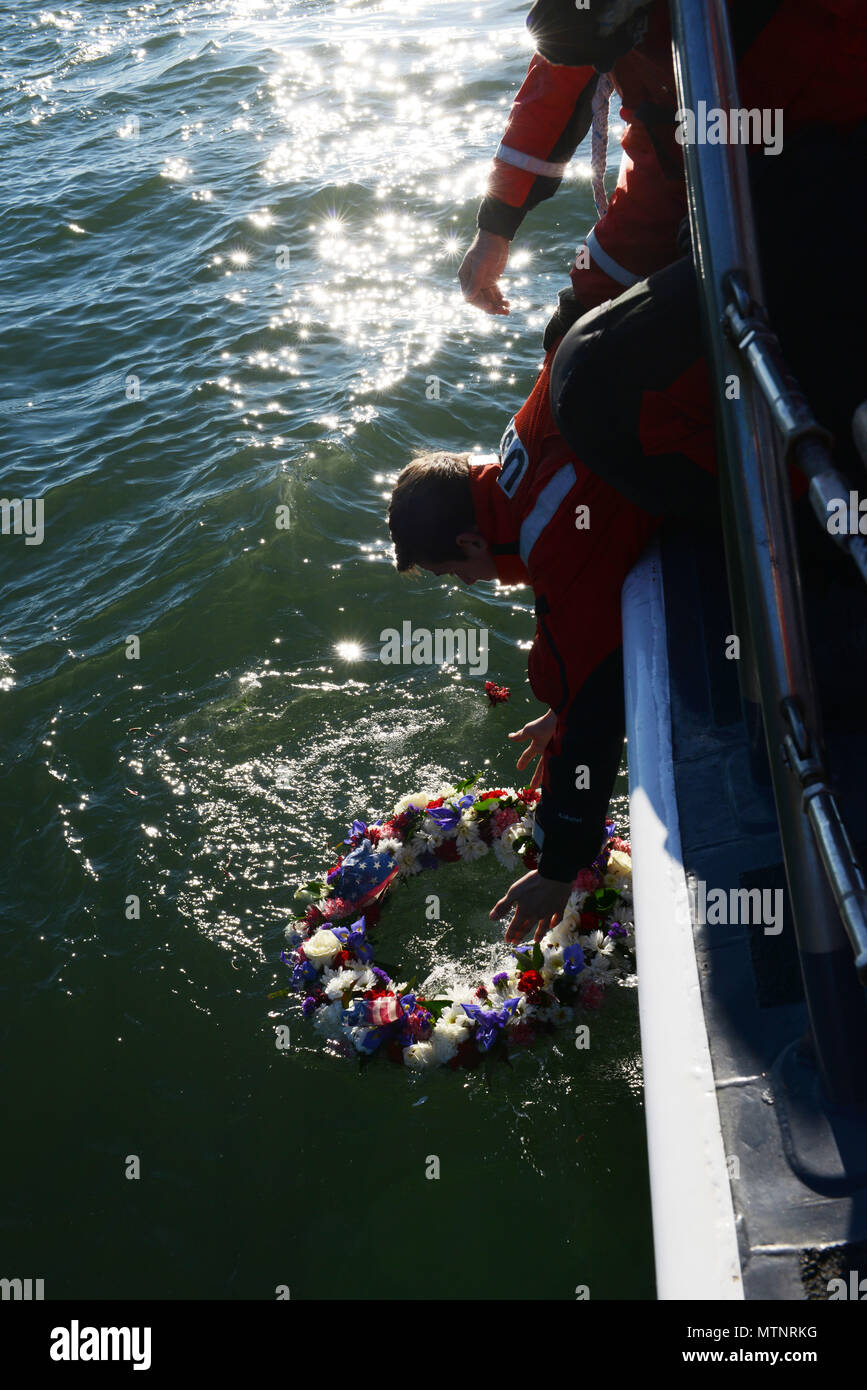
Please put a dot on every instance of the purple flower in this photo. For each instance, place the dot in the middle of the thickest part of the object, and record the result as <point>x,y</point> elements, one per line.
<point>500,980</point>
<point>382,975</point>
<point>356,829</point>
<point>357,942</point>
<point>303,973</point>
<point>616,930</point>
<point>489,1022</point>
<point>447,817</point>
<point>308,1006</point>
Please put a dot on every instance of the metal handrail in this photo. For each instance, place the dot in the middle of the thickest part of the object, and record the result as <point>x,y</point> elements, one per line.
<point>826,886</point>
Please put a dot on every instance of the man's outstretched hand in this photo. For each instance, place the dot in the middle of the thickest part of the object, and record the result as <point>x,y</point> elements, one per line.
<point>480,270</point>
<point>535,900</point>
<point>540,732</point>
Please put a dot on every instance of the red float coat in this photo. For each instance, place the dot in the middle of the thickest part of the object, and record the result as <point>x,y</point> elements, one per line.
<point>527,508</point>
<point>808,60</point>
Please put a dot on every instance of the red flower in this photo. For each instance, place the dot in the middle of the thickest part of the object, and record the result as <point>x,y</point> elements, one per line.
<point>335,908</point>
<point>591,994</point>
<point>481,993</point>
<point>531,857</point>
<point>529,797</point>
<point>521,1033</point>
<point>374,834</point>
<point>372,914</point>
<point>503,818</point>
<point>342,958</point>
<point>467,1055</point>
<point>622,845</point>
<point>485,796</point>
<point>587,880</point>
<point>448,852</point>
<point>496,693</point>
<point>486,830</point>
<point>435,805</point>
<point>312,917</point>
<point>531,982</point>
<point>589,921</point>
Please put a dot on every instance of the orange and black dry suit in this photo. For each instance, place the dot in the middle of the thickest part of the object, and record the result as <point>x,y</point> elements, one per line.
<point>554,525</point>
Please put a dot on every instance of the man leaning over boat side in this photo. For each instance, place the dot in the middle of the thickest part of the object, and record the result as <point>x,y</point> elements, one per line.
<point>537,516</point>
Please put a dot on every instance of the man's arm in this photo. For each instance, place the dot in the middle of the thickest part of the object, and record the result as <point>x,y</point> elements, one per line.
<point>549,118</point>
<point>581,766</point>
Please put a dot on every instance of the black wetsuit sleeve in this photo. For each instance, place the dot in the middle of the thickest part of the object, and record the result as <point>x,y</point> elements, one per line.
<point>572,818</point>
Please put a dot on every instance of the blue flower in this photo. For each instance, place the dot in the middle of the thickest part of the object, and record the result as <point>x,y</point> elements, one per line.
<point>573,960</point>
<point>303,973</point>
<point>616,930</point>
<point>489,1022</point>
<point>357,942</point>
<point>356,829</point>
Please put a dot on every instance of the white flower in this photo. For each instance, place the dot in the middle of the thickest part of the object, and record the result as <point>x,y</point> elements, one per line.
<point>618,871</point>
<point>388,846</point>
<point>432,832</point>
<point>553,964</point>
<point>321,947</point>
<point>471,849</point>
<point>504,851</point>
<point>454,1017</point>
<point>420,1054</point>
<point>328,1018</point>
<point>339,983</point>
<point>407,857</point>
<point>417,799</point>
<point>444,1047</point>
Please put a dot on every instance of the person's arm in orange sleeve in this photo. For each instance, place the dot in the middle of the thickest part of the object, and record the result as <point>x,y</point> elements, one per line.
<point>549,118</point>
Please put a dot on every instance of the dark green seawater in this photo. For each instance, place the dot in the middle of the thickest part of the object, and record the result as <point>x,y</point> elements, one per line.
<point>229,251</point>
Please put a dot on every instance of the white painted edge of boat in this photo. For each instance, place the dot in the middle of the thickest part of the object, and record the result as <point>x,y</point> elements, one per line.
<point>694,1233</point>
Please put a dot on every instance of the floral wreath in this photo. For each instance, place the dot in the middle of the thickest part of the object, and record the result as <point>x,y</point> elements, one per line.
<point>346,993</point>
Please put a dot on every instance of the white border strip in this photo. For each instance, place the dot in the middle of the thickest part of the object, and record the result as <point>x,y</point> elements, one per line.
<point>605,262</point>
<point>695,1242</point>
<point>507,155</point>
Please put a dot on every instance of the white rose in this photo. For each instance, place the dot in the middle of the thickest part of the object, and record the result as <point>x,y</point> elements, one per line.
<point>618,871</point>
<point>321,947</point>
<point>417,799</point>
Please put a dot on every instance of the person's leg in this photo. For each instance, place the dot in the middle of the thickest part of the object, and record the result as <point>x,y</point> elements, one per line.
<point>629,392</point>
